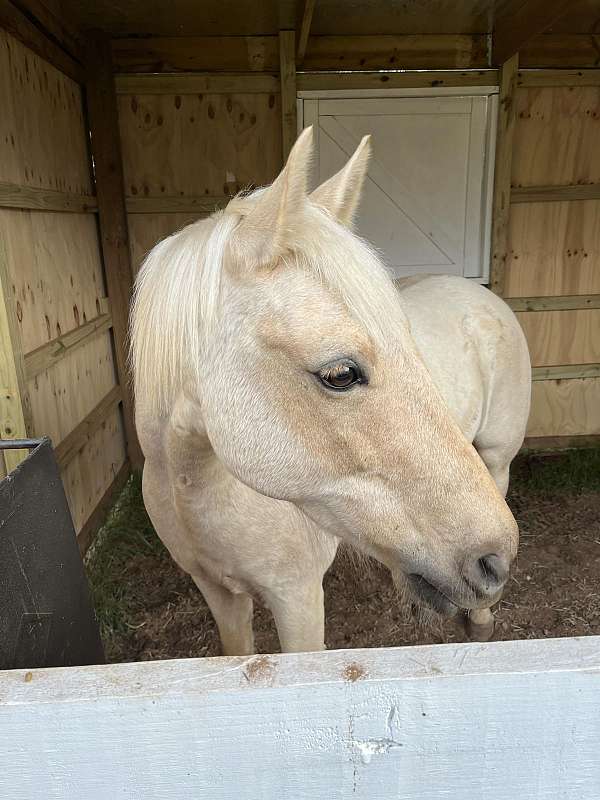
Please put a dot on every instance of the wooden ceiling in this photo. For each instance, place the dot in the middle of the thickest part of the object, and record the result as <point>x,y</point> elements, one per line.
<point>126,18</point>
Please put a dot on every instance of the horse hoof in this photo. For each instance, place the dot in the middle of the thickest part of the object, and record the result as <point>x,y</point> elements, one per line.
<point>479,632</point>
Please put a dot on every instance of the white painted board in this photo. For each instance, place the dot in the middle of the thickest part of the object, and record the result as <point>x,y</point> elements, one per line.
<point>509,721</point>
<point>426,203</point>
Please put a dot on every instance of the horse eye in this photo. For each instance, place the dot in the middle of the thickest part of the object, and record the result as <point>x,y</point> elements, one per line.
<point>340,376</point>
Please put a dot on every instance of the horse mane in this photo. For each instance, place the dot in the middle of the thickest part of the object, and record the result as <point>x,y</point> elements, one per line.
<point>177,296</point>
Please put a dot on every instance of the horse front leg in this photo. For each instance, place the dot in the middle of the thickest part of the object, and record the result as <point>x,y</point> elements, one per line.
<point>233,615</point>
<point>300,616</point>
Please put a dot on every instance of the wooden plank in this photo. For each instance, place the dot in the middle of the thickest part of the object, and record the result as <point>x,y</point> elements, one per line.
<point>15,409</point>
<point>146,230</point>
<point>18,25</point>
<point>556,137</point>
<point>194,83</point>
<point>206,144</point>
<point>200,205</point>
<point>561,50</point>
<point>562,337</point>
<point>94,522</point>
<point>554,249</point>
<point>307,15</point>
<point>517,22</point>
<point>529,78</point>
<point>30,197</point>
<point>287,67</point>
<point>197,54</point>
<point>563,303</point>
<point>565,408</point>
<point>554,194</point>
<point>104,126</point>
<point>362,723</point>
<point>54,351</point>
<point>307,81</point>
<point>502,177</point>
<point>55,25</point>
<point>536,443</point>
<point>66,450</point>
<point>396,52</point>
<point>566,371</point>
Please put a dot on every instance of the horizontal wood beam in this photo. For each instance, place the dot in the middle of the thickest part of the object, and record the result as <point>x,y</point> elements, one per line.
<point>197,83</point>
<point>81,434</point>
<point>52,352</point>
<point>554,194</point>
<point>558,77</point>
<point>20,26</point>
<point>66,35</point>
<point>560,442</point>
<point>519,21</point>
<point>565,372</point>
<point>572,302</point>
<point>240,54</point>
<point>86,535</point>
<point>200,204</point>
<point>565,50</point>
<point>323,81</point>
<point>36,199</point>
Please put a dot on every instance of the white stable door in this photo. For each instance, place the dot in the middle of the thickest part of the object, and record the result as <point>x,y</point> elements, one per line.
<point>426,205</point>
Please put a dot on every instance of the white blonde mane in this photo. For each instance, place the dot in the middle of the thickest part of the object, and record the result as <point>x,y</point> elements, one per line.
<point>177,300</point>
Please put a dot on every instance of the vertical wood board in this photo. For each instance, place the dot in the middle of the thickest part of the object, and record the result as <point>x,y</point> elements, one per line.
<point>562,337</point>
<point>287,73</point>
<point>508,719</point>
<point>557,136</point>
<point>554,249</point>
<point>201,144</point>
<point>43,139</point>
<point>146,230</point>
<point>565,408</point>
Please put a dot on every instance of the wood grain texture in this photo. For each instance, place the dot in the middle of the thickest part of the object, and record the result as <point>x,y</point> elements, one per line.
<point>307,15</point>
<point>362,723</point>
<point>307,81</point>
<point>560,303</point>
<point>502,174</point>
<point>56,272</point>
<point>197,83</point>
<point>562,337</point>
<point>561,50</point>
<point>112,215</point>
<point>554,194</point>
<point>74,442</point>
<point>567,371</point>
<point>30,197</point>
<point>53,19</point>
<point>556,138</point>
<point>50,354</point>
<point>94,468</point>
<point>89,529</point>
<point>65,394</point>
<point>517,22</point>
<point>146,230</point>
<point>15,22</point>
<point>536,443</point>
<point>201,205</point>
<point>565,408</point>
<point>43,140</point>
<point>287,72</point>
<point>558,77</point>
<point>193,145</point>
<point>554,249</point>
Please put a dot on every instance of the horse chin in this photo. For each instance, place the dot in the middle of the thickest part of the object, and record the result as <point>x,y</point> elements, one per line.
<point>432,604</point>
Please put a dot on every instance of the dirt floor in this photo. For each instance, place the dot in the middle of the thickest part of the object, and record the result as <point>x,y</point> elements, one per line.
<point>149,609</point>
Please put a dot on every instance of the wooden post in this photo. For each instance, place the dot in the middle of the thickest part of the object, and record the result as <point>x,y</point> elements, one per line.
<point>112,215</point>
<point>15,409</point>
<point>504,147</point>
<point>287,65</point>
<point>309,7</point>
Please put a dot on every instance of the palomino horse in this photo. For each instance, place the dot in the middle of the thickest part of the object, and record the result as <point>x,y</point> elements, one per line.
<point>289,396</point>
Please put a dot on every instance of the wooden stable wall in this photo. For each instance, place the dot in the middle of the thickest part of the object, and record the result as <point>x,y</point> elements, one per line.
<point>188,144</point>
<point>552,271</point>
<point>58,366</point>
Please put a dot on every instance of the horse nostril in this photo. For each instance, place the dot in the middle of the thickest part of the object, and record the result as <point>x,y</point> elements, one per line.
<point>487,575</point>
<point>494,569</point>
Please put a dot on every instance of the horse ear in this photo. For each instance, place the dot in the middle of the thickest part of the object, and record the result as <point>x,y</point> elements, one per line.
<point>340,194</point>
<point>267,230</point>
